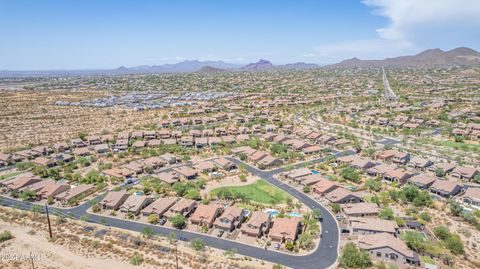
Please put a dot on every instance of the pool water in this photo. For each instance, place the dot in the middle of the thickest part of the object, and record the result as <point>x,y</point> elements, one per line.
<point>294,214</point>
<point>315,172</point>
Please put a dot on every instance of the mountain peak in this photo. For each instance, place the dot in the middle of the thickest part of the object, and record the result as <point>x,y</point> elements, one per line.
<point>260,65</point>
<point>426,59</point>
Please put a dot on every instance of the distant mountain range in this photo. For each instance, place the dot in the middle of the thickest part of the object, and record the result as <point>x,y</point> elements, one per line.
<point>429,58</point>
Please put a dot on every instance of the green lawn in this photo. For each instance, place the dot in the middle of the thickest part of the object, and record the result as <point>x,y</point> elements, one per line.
<point>260,191</point>
<point>460,146</point>
<point>2,177</point>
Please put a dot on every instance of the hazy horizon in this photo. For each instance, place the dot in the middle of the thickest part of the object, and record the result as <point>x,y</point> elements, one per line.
<point>91,35</point>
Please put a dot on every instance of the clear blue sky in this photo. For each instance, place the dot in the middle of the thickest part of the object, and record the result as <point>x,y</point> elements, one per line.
<point>50,34</point>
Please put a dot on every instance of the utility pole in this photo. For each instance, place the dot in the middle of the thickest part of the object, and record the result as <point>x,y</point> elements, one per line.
<point>31,257</point>
<point>176,253</point>
<point>48,221</point>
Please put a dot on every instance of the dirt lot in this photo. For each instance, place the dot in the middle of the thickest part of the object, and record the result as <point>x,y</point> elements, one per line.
<point>76,247</point>
<point>30,118</point>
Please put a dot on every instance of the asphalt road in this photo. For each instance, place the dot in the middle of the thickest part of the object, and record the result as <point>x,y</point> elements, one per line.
<point>323,257</point>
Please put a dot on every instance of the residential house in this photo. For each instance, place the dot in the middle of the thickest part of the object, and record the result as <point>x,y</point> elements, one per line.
<point>360,209</point>
<point>420,163</point>
<point>169,158</point>
<point>445,167</point>
<point>159,207</point>
<point>257,225</point>
<point>398,176</point>
<point>285,229</point>
<point>364,226</point>
<point>343,196</point>
<point>445,188</point>
<point>471,197</point>
<point>20,182</point>
<point>52,190</point>
<point>75,193</point>
<point>207,166</point>
<point>464,172</point>
<point>135,203</point>
<point>206,214</point>
<point>168,177</point>
<point>183,207</point>
<point>186,172</point>
<point>323,187</point>
<point>113,200</point>
<point>225,164</point>
<point>422,181</point>
<point>43,161</point>
<point>230,219</point>
<point>386,247</point>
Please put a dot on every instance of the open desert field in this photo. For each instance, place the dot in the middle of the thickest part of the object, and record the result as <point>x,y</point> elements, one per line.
<point>30,118</point>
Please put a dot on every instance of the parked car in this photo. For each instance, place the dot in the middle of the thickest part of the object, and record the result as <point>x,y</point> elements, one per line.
<point>277,246</point>
<point>162,221</point>
<point>220,233</point>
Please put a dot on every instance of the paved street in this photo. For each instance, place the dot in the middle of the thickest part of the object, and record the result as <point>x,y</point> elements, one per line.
<point>323,257</point>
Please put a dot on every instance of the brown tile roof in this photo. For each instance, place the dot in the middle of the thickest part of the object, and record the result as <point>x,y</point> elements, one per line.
<point>382,240</point>
<point>159,206</point>
<point>285,228</point>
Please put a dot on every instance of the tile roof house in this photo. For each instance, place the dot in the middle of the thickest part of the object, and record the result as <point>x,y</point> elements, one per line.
<point>169,158</point>
<point>206,214</point>
<point>445,188</point>
<point>43,161</point>
<point>183,207</point>
<point>186,172</point>
<point>168,177</point>
<point>385,246</point>
<point>343,196</point>
<point>135,203</point>
<point>20,182</point>
<point>257,156</point>
<point>324,186</point>
<point>205,166</point>
<point>285,229</point>
<point>312,179</point>
<point>257,225</point>
<point>471,197</point>
<point>39,185</point>
<point>75,193</point>
<point>230,219</point>
<point>225,164</point>
<point>419,163</point>
<point>422,181</point>
<point>373,226</point>
<point>446,167</point>
<point>113,200</point>
<point>380,169</point>
<point>52,190</point>
<point>269,161</point>
<point>464,172</point>
<point>159,207</point>
<point>398,176</point>
<point>298,173</point>
<point>312,149</point>
<point>360,209</point>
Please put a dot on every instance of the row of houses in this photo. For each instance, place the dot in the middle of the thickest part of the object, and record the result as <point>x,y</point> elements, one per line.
<point>258,157</point>
<point>47,188</point>
<point>422,164</point>
<point>212,215</point>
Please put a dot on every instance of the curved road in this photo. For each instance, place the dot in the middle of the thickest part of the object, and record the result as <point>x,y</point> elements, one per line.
<point>324,256</point>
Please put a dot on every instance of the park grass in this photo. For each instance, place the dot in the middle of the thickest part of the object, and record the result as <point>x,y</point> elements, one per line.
<point>260,191</point>
<point>2,177</point>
